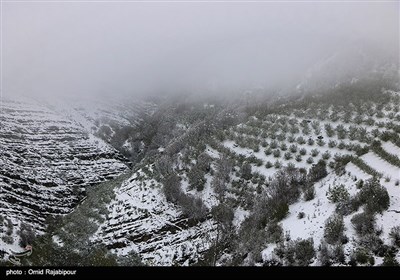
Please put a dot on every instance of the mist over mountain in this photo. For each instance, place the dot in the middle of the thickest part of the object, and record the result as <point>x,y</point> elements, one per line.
<point>137,49</point>
<point>199,133</point>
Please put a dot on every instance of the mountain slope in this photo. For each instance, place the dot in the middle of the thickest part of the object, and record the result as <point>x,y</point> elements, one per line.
<point>46,162</point>
<point>310,181</point>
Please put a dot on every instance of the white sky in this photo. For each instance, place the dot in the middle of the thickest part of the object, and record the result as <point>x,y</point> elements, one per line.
<point>131,48</point>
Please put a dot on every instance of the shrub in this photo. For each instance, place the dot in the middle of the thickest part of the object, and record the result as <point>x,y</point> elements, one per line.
<point>245,171</point>
<point>394,235</point>
<point>301,140</point>
<point>314,152</point>
<point>196,178</point>
<point>369,121</point>
<point>288,155</point>
<point>277,164</point>
<point>341,145</point>
<point>7,239</point>
<point>268,164</point>
<point>338,254</point>
<point>315,124</point>
<point>324,255</point>
<point>375,132</point>
<point>358,119</point>
<point>273,144</point>
<point>223,214</point>
<point>363,223</point>
<point>10,226</point>
<point>309,193</point>
<point>361,150</point>
<point>374,196</point>
<point>281,211</point>
<point>334,228</point>
<point>317,171</point>
<point>303,151</point>
<point>326,155</point>
<point>264,144</point>
<point>283,147</point>
<point>373,243</point>
<point>298,158</point>
<point>268,151</point>
<point>341,131</point>
<point>301,215</point>
<point>310,141</point>
<point>349,206</point>
<point>281,137</point>
<point>362,256</point>
<point>300,252</point>
<point>390,260</point>
<point>291,139</point>
<point>337,194</point>
<point>27,235</point>
<point>192,207</point>
<point>274,232</point>
<point>290,166</point>
<point>330,133</point>
<point>332,144</point>
<point>320,142</point>
<point>306,131</point>
<point>276,153</point>
<point>310,160</point>
<point>293,148</point>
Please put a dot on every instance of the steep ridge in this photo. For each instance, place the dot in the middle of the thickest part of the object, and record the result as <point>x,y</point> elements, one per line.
<point>46,161</point>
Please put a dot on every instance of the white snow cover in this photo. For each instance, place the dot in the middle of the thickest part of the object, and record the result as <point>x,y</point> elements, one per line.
<point>357,172</point>
<point>239,216</point>
<point>381,165</point>
<point>391,148</point>
<point>46,160</point>
<point>142,220</point>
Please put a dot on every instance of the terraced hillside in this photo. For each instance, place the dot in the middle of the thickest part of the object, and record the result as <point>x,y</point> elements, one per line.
<point>357,143</point>
<point>237,168</point>
<point>307,181</point>
<point>46,162</point>
<point>105,117</point>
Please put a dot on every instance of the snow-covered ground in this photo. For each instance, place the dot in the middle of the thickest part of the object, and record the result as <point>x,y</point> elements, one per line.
<point>354,170</point>
<point>142,220</point>
<point>46,162</point>
<point>391,148</point>
<point>381,165</point>
<point>318,210</point>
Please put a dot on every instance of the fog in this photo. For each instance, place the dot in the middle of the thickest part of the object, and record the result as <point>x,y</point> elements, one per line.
<point>92,48</point>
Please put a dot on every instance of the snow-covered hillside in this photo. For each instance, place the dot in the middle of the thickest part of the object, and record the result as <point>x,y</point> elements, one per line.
<point>46,162</point>
<point>307,182</point>
<point>142,220</point>
<point>102,116</point>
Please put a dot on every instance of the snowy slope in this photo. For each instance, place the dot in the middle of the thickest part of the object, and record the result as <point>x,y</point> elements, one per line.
<point>140,219</point>
<point>46,161</point>
<point>252,139</point>
<point>95,114</point>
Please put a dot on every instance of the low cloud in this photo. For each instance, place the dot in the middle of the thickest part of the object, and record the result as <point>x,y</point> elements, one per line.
<point>139,48</point>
